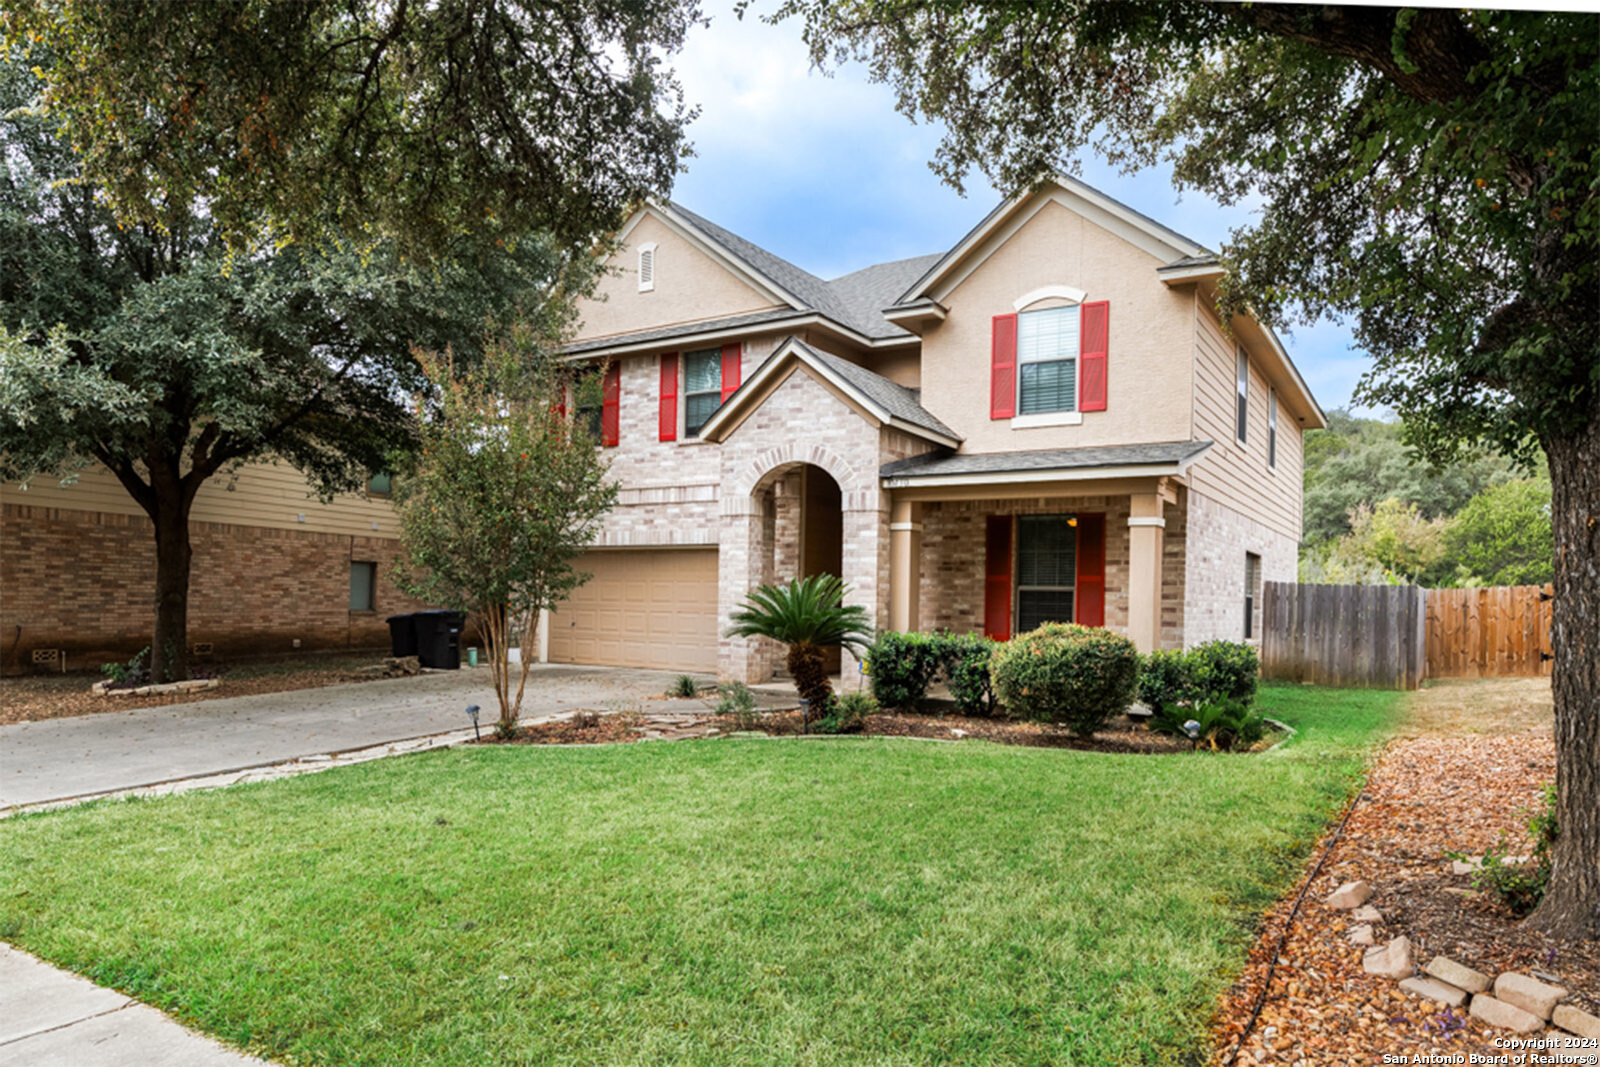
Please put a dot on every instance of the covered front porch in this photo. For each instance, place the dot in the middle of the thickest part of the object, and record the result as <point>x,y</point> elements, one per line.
<point>998,544</point>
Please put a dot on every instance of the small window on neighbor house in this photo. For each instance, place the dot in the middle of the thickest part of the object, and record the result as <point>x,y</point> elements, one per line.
<point>381,484</point>
<point>647,267</point>
<point>1272,427</point>
<point>1047,565</point>
<point>1047,361</point>
<point>1252,590</point>
<point>702,388</point>
<point>363,586</point>
<point>1242,420</point>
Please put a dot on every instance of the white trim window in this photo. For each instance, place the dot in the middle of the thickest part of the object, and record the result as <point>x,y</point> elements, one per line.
<point>702,388</point>
<point>1047,361</point>
<point>1242,417</point>
<point>647,267</point>
<point>1272,428</point>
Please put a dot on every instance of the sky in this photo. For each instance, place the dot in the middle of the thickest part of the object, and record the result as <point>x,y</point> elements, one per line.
<point>823,171</point>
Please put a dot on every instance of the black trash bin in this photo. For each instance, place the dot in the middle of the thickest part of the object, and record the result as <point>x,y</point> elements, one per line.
<point>439,639</point>
<point>402,635</point>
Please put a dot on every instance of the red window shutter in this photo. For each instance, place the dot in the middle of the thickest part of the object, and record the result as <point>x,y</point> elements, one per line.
<point>997,578</point>
<point>1091,596</point>
<point>730,369</point>
<point>669,397</point>
<point>611,406</point>
<point>1003,368</point>
<point>1093,333</point>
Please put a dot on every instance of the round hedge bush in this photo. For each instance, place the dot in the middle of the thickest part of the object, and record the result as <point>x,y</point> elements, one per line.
<point>1075,676</point>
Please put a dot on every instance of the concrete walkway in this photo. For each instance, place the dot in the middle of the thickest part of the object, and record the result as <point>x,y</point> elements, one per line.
<point>59,759</point>
<point>49,1018</point>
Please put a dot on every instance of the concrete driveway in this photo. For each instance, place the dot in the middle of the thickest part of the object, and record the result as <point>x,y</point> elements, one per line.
<point>62,758</point>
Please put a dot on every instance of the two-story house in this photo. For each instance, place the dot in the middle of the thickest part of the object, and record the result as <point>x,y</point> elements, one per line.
<point>1046,422</point>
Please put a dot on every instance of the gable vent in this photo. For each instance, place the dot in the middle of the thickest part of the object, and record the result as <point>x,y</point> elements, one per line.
<point>647,267</point>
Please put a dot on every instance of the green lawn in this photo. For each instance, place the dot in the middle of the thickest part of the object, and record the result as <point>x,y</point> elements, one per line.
<point>727,901</point>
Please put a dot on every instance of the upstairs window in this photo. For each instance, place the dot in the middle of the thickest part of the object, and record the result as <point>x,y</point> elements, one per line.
<point>1047,358</point>
<point>647,267</point>
<point>1272,427</point>
<point>1242,417</point>
<point>702,388</point>
<point>1047,567</point>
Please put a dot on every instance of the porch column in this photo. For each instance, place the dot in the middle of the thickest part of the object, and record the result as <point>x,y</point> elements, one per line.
<point>1144,570</point>
<point>905,565</point>
<point>865,516</point>
<point>741,563</point>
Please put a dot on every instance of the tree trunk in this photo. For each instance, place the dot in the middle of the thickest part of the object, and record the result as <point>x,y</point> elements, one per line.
<point>1571,907</point>
<point>169,647</point>
<point>805,662</point>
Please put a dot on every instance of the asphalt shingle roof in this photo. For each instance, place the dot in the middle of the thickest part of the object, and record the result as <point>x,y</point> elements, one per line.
<point>667,333</point>
<point>1057,459</point>
<point>896,399</point>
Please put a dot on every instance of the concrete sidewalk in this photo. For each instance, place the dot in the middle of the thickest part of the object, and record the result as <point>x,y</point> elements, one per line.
<point>59,759</point>
<point>49,1018</point>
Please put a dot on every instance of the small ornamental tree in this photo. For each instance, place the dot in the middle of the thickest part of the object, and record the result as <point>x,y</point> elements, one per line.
<point>808,615</point>
<point>505,491</point>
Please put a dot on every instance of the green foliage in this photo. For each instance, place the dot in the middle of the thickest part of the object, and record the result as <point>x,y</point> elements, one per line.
<point>1521,885</point>
<point>134,672</point>
<point>808,615</point>
<point>1166,679</point>
<point>904,665</point>
<point>846,715</point>
<point>1224,725</point>
<point>160,354</point>
<point>417,121</point>
<point>503,494</point>
<point>739,704</point>
<point>1077,676</point>
<point>1224,671</point>
<point>1504,536</point>
<point>967,667</point>
<point>684,687</point>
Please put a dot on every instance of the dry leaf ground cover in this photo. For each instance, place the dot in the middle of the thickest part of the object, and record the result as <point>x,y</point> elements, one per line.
<point>1466,769</point>
<point>36,697</point>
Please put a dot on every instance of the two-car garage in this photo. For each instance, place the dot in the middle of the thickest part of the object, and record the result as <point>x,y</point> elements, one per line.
<point>654,607</point>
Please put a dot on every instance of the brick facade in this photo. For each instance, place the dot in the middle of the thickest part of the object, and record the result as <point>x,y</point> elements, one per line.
<point>84,581</point>
<point>1218,539</point>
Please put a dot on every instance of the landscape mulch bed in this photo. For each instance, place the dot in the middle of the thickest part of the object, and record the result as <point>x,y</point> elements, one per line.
<point>1426,796</point>
<point>34,698</point>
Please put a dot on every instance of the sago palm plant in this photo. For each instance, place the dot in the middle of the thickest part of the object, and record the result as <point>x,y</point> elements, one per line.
<point>808,615</point>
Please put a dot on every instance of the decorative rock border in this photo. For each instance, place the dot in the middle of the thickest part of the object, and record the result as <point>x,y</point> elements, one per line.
<point>103,689</point>
<point>1517,1002</point>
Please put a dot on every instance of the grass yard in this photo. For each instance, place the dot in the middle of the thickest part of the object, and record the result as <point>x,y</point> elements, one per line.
<point>710,902</point>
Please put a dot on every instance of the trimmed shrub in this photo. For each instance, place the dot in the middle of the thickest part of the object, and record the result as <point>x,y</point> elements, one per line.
<point>904,666</point>
<point>847,715</point>
<point>1224,671</point>
<point>1077,676</point>
<point>967,666</point>
<point>1166,679</point>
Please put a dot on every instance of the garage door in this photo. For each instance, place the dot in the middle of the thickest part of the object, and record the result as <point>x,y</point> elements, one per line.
<point>642,608</point>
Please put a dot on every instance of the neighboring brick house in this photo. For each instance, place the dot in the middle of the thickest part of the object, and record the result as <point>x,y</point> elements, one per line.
<point>1047,421</point>
<point>274,568</point>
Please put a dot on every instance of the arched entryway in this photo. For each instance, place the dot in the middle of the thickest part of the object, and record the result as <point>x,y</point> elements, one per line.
<point>801,505</point>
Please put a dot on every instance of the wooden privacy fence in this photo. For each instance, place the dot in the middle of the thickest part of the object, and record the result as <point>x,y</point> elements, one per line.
<point>1391,637</point>
<point>1363,636</point>
<point>1478,633</point>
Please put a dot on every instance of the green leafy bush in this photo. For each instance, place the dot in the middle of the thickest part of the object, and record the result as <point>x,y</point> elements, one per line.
<point>135,672</point>
<point>904,665</point>
<point>966,664</point>
<point>846,715</point>
<point>1166,679</point>
<point>1520,886</point>
<point>1077,676</point>
<point>739,703</point>
<point>1224,724</point>
<point>1224,671</point>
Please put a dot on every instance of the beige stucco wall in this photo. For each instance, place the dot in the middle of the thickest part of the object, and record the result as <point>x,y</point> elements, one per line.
<point>690,286</point>
<point>1233,474</point>
<point>269,494</point>
<point>1150,341</point>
